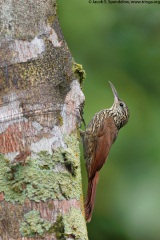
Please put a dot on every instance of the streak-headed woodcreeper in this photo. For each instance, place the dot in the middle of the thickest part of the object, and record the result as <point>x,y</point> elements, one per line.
<point>98,138</point>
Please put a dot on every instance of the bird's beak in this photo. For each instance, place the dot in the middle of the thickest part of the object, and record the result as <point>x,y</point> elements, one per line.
<point>114,93</point>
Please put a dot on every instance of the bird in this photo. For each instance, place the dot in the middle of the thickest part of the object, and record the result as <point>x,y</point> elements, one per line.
<point>98,137</point>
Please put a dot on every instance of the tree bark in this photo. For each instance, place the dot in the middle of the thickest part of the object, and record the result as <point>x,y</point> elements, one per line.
<point>40,178</point>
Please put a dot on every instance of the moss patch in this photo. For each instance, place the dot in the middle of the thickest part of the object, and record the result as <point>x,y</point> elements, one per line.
<point>79,71</point>
<point>33,224</point>
<point>51,19</point>
<point>60,118</point>
<point>58,228</point>
<point>55,176</point>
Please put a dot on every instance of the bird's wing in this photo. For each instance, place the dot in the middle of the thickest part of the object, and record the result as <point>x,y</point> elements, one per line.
<point>100,145</point>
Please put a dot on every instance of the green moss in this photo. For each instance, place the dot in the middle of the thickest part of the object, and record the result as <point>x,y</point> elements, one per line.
<point>33,224</point>
<point>51,19</point>
<point>58,228</point>
<point>39,179</point>
<point>60,118</point>
<point>79,71</point>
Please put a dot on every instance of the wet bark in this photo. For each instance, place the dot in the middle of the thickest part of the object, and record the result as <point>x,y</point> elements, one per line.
<point>40,93</point>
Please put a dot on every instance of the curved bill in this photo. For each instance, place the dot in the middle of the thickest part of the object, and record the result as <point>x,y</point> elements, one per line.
<point>114,92</point>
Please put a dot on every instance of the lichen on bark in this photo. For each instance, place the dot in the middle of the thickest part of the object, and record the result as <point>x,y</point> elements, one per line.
<point>66,226</point>
<point>38,178</point>
<point>34,225</point>
<point>74,224</point>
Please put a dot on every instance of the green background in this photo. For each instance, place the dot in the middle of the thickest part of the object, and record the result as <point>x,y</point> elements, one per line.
<point>121,43</point>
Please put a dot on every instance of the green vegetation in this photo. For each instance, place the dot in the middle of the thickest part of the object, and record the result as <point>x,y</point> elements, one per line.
<point>79,71</point>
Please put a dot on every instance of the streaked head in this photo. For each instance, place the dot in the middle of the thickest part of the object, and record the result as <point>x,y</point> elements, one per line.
<point>119,109</point>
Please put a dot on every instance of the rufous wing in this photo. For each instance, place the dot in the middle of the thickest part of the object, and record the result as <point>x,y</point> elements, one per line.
<point>106,135</point>
<point>102,142</point>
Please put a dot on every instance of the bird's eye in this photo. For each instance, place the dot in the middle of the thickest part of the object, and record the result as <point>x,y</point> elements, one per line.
<point>121,104</point>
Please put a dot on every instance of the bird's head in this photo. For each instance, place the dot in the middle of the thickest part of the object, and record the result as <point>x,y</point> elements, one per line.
<point>120,111</point>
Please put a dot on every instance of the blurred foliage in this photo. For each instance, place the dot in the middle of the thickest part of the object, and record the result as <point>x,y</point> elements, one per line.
<point>120,43</point>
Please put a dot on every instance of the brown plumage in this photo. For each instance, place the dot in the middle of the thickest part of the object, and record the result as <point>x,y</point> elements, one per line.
<point>98,138</point>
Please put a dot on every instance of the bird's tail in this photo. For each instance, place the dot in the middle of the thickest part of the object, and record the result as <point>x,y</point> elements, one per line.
<point>90,199</point>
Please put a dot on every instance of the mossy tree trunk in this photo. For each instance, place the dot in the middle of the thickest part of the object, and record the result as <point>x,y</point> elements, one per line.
<point>40,178</point>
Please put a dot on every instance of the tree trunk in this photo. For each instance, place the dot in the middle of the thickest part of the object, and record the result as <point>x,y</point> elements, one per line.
<point>40,179</point>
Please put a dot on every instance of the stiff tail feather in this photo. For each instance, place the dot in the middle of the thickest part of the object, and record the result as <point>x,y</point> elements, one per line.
<point>90,199</point>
